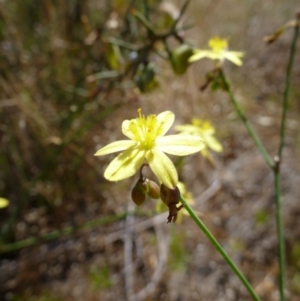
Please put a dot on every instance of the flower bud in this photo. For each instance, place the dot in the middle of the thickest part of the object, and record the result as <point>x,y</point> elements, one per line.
<point>169,196</point>
<point>138,193</point>
<point>152,189</point>
<point>145,78</point>
<point>179,59</point>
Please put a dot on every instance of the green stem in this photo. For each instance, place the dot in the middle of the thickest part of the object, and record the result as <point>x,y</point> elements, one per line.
<point>183,9</point>
<point>242,116</point>
<point>279,219</point>
<point>280,235</point>
<point>121,43</point>
<point>287,90</point>
<point>273,164</point>
<point>219,248</point>
<point>144,21</point>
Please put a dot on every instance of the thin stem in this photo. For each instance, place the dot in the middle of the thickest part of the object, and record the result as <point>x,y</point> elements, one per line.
<point>144,21</point>
<point>146,9</point>
<point>183,9</point>
<point>287,90</point>
<point>280,235</point>
<point>121,43</point>
<point>242,116</point>
<point>219,248</point>
<point>273,164</point>
<point>278,159</point>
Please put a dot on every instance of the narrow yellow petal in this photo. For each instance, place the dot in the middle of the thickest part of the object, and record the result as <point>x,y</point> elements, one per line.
<point>234,57</point>
<point>125,165</point>
<point>4,202</point>
<point>188,128</point>
<point>164,122</point>
<point>213,143</point>
<point>163,168</point>
<point>116,146</point>
<point>130,128</point>
<point>215,56</point>
<point>198,55</point>
<point>179,145</point>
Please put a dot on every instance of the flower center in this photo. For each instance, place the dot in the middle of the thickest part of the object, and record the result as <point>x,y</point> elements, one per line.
<point>218,45</point>
<point>145,129</point>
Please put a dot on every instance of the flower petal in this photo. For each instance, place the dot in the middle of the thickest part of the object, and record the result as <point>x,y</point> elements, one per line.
<point>234,57</point>
<point>179,145</point>
<point>199,54</point>
<point>213,143</point>
<point>4,202</point>
<point>188,129</point>
<point>164,122</point>
<point>130,128</point>
<point>125,165</point>
<point>163,168</point>
<point>116,146</point>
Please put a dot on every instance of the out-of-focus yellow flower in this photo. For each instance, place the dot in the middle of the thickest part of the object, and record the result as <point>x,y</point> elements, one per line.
<point>203,129</point>
<point>3,202</point>
<point>161,207</point>
<point>219,51</point>
<point>147,141</point>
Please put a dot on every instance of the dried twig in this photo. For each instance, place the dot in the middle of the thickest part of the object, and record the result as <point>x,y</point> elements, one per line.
<point>128,265</point>
<point>163,244</point>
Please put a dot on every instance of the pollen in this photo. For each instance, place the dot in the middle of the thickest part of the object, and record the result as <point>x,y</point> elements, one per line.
<point>145,129</point>
<point>218,44</point>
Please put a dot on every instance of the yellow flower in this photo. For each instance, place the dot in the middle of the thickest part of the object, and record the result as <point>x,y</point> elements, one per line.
<point>204,130</point>
<point>218,52</point>
<point>147,142</point>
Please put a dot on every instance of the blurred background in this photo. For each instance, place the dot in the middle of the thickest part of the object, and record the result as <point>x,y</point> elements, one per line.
<point>70,73</point>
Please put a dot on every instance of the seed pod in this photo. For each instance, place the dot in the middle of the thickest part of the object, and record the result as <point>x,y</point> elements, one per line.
<point>152,189</point>
<point>169,196</point>
<point>138,193</point>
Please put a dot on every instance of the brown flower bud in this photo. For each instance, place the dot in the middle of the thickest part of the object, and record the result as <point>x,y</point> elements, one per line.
<point>138,193</point>
<point>169,196</point>
<point>152,189</point>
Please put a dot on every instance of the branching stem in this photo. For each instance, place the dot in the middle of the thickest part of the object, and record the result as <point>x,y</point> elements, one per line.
<point>273,164</point>
<point>278,160</point>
